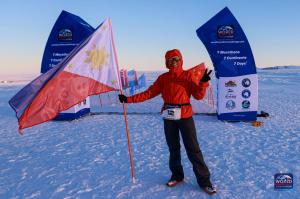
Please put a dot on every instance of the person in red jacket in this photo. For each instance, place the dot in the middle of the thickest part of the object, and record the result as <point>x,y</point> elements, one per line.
<point>176,88</point>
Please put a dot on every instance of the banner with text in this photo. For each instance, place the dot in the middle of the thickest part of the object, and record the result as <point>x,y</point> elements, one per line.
<point>68,32</point>
<point>234,67</point>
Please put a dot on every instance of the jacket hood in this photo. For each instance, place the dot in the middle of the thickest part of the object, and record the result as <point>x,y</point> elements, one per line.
<point>174,53</point>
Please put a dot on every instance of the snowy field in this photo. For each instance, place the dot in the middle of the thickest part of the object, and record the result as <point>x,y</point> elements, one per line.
<point>88,158</point>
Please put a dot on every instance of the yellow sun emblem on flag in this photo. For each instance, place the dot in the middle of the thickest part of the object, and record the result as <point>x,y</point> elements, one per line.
<point>96,57</point>
<point>104,27</point>
<point>70,66</point>
<point>114,82</point>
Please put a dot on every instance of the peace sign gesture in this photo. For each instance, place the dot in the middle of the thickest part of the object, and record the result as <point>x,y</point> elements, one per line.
<point>206,77</point>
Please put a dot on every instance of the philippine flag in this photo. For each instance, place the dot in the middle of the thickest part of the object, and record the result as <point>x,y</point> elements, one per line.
<point>90,69</point>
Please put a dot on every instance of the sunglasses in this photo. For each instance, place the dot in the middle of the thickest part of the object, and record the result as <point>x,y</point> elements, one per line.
<point>172,59</point>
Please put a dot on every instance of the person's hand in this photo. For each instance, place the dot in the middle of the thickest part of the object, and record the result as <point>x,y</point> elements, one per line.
<point>123,98</point>
<point>206,77</point>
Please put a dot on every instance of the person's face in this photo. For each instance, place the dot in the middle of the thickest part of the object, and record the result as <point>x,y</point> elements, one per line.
<point>173,61</point>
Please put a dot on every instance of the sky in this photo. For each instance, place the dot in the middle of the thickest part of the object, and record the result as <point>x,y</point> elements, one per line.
<point>145,30</point>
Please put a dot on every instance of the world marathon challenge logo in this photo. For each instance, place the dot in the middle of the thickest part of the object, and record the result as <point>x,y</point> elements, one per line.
<point>283,181</point>
<point>225,32</point>
<point>65,34</point>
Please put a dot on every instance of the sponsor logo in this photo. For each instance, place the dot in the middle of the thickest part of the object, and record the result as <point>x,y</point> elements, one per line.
<point>246,104</point>
<point>246,93</point>
<point>230,84</point>
<point>225,32</point>
<point>65,34</point>
<point>171,112</point>
<point>283,181</point>
<point>229,94</point>
<point>230,104</point>
<point>246,82</point>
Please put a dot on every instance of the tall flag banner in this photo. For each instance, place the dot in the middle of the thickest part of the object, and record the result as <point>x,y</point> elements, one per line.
<point>124,78</point>
<point>234,66</point>
<point>68,32</point>
<point>91,68</point>
<point>132,78</point>
<point>142,81</point>
<point>132,81</point>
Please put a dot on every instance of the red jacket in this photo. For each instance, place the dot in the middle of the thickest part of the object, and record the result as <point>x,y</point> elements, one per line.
<point>175,86</point>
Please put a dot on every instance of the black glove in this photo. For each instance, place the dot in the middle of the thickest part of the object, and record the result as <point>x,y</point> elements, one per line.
<point>206,77</point>
<point>123,98</point>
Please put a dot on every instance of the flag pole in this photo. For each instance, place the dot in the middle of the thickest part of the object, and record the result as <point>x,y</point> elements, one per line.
<point>124,109</point>
<point>128,141</point>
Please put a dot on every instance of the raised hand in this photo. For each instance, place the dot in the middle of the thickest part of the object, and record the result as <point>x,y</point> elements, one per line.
<point>206,76</point>
<point>123,98</point>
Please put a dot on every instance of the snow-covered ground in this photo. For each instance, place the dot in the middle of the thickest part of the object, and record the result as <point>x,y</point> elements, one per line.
<point>88,158</point>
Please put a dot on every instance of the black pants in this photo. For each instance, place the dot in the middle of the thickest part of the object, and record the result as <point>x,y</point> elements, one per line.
<point>189,138</point>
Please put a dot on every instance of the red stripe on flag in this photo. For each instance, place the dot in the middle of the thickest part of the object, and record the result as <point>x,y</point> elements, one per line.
<point>197,72</point>
<point>59,94</point>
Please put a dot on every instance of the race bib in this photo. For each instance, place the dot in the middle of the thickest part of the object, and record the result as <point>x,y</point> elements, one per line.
<point>171,113</point>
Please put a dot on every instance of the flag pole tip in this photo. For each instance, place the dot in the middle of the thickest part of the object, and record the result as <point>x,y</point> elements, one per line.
<point>21,132</point>
<point>133,180</point>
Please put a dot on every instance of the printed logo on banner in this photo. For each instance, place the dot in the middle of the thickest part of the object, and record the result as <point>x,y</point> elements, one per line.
<point>225,32</point>
<point>229,94</point>
<point>283,181</point>
<point>246,104</point>
<point>65,34</point>
<point>246,82</point>
<point>246,93</point>
<point>229,90</point>
<point>230,84</point>
<point>230,104</point>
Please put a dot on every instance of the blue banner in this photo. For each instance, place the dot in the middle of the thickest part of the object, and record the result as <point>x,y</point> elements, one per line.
<point>132,78</point>
<point>234,67</point>
<point>67,35</point>
<point>132,81</point>
<point>142,81</point>
<point>68,31</point>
